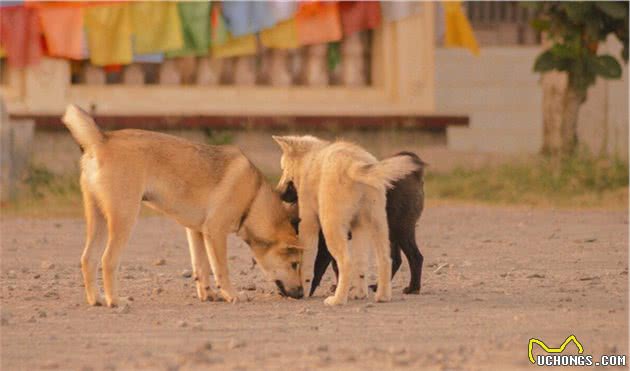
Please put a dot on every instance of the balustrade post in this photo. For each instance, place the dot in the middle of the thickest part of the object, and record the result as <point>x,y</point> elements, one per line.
<point>169,74</point>
<point>316,68</point>
<point>133,75</point>
<point>208,71</point>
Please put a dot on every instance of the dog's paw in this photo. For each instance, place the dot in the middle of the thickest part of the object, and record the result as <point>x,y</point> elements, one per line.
<point>333,300</point>
<point>95,301</point>
<point>411,291</point>
<point>383,293</point>
<point>356,293</point>
<point>112,303</point>
<point>207,294</point>
<point>231,296</point>
<point>357,296</point>
<point>382,297</point>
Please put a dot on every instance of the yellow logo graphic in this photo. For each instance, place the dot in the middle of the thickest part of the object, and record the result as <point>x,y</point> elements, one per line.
<point>560,349</point>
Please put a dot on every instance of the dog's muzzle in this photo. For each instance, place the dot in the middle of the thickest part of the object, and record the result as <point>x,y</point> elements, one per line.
<point>297,293</point>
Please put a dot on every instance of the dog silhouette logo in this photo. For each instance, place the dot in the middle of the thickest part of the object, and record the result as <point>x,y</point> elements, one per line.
<point>547,349</point>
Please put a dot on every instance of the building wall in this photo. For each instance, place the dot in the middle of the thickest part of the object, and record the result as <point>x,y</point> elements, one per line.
<point>502,96</point>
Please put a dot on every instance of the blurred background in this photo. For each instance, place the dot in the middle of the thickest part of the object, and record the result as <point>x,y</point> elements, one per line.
<point>508,102</point>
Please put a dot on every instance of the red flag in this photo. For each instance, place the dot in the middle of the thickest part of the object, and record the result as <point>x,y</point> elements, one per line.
<point>20,35</point>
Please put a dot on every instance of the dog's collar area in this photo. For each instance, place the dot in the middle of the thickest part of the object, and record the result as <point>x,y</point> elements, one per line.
<point>243,218</point>
<point>249,206</point>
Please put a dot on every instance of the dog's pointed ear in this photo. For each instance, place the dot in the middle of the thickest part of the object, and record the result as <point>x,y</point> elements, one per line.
<point>282,141</point>
<point>297,145</point>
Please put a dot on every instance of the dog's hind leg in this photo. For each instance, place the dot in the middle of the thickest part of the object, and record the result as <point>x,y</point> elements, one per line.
<point>359,248</point>
<point>121,216</point>
<point>415,260</point>
<point>96,231</point>
<point>200,265</point>
<point>395,255</point>
<point>336,237</point>
<point>379,230</point>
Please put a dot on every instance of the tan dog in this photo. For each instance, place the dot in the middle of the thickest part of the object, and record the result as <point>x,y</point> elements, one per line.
<point>210,190</point>
<point>341,188</point>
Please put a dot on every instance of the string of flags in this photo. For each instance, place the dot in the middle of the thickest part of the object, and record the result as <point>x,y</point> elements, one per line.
<point>123,32</point>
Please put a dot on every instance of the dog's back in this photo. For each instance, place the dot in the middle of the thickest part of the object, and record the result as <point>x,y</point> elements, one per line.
<point>157,167</point>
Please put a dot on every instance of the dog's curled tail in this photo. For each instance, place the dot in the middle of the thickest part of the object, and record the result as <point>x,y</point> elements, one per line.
<point>386,172</point>
<point>82,127</point>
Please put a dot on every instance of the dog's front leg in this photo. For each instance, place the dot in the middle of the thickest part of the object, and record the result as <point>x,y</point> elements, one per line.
<point>216,248</point>
<point>200,265</point>
<point>309,232</point>
<point>120,223</point>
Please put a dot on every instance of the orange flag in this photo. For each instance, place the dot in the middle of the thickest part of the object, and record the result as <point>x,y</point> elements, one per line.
<point>318,22</point>
<point>63,30</point>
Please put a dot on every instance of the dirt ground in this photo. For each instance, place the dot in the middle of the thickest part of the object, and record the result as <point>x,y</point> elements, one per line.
<point>494,278</point>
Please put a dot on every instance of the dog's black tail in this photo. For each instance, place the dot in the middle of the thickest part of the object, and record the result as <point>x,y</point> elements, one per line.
<point>415,158</point>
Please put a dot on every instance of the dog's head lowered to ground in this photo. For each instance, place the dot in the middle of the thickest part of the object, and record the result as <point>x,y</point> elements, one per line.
<point>277,253</point>
<point>281,264</point>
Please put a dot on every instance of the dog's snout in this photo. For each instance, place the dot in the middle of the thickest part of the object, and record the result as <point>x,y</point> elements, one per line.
<point>297,293</point>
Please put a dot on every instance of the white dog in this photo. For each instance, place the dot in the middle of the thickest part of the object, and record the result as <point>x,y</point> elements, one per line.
<point>341,188</point>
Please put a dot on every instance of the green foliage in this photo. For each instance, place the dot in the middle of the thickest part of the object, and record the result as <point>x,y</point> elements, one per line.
<point>217,138</point>
<point>576,29</point>
<point>333,55</point>
<point>42,182</point>
<point>544,181</point>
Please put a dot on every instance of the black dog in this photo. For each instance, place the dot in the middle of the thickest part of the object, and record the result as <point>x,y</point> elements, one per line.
<point>405,202</point>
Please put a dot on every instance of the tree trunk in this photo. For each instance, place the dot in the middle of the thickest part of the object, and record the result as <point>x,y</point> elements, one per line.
<point>571,106</point>
<point>561,105</point>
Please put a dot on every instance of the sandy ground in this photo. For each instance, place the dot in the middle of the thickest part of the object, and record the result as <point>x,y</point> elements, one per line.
<point>494,277</point>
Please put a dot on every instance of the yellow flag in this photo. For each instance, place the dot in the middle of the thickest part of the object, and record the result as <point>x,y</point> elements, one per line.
<point>2,52</point>
<point>235,46</point>
<point>281,36</point>
<point>459,33</point>
<point>109,34</point>
<point>156,27</point>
